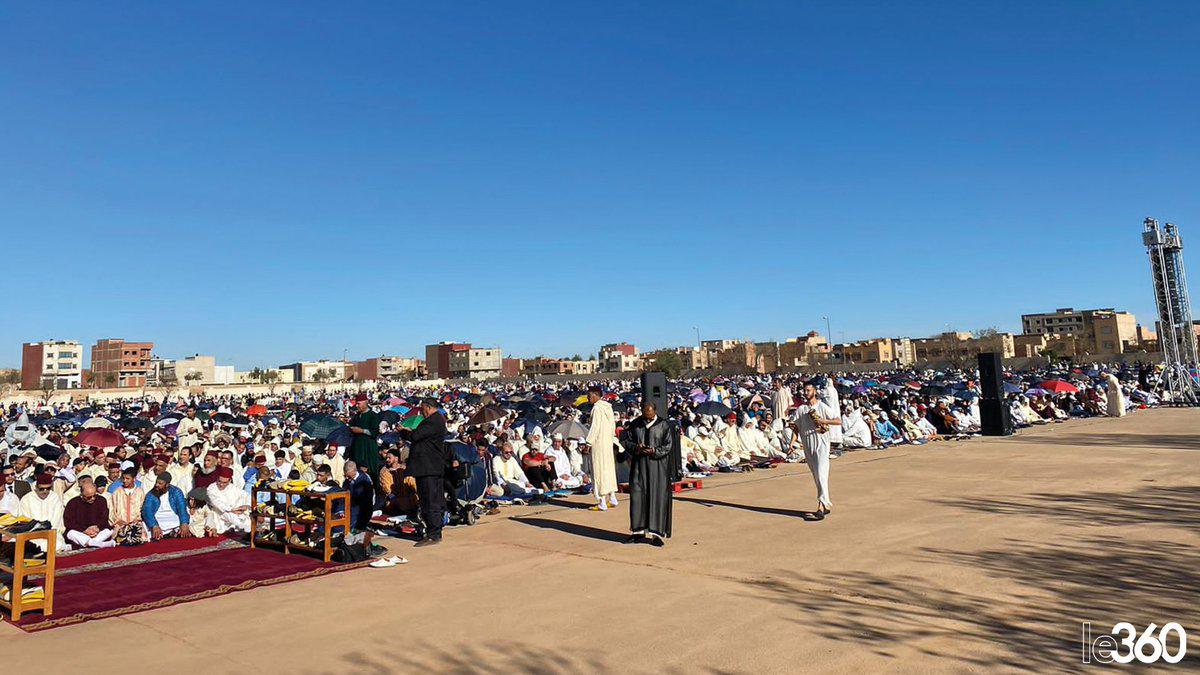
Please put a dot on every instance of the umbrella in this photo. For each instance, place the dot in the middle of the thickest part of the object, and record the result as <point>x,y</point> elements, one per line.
<point>100,438</point>
<point>389,416</point>
<point>320,426</point>
<point>1037,392</point>
<point>580,400</point>
<point>134,423</point>
<point>230,420</point>
<point>892,388</point>
<point>713,408</point>
<point>400,409</point>
<point>395,401</point>
<point>568,429</point>
<point>1010,388</point>
<point>751,400</point>
<point>617,406</point>
<point>537,417</point>
<point>965,394</point>
<point>412,422</point>
<point>256,410</point>
<point>390,438</point>
<point>1058,387</point>
<point>340,437</point>
<point>486,415</point>
<point>861,389</point>
<point>98,423</point>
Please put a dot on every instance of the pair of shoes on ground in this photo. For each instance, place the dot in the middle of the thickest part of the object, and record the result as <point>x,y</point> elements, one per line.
<point>428,541</point>
<point>388,562</point>
<point>654,539</point>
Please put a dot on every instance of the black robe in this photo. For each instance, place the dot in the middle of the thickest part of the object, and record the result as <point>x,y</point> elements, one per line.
<point>650,476</point>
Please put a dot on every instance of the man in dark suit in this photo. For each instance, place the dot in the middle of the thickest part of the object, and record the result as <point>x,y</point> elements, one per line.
<point>427,460</point>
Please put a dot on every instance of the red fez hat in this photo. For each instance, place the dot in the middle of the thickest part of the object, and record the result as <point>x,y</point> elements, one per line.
<point>225,472</point>
<point>45,480</point>
<point>360,398</point>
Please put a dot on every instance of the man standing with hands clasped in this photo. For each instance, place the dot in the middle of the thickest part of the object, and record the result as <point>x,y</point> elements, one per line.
<point>427,460</point>
<point>646,444</point>
<point>813,419</point>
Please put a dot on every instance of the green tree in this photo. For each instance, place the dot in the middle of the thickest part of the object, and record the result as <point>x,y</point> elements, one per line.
<point>669,363</point>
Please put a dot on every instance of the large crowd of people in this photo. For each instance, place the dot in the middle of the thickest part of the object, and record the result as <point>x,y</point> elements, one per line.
<point>131,471</point>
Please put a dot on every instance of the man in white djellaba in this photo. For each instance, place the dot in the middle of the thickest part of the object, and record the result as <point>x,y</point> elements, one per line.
<point>813,420</point>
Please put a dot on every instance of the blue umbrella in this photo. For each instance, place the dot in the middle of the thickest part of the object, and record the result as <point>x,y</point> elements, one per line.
<point>965,394</point>
<point>1010,388</point>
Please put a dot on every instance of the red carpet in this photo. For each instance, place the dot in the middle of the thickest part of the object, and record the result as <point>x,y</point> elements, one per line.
<point>127,555</point>
<point>108,588</point>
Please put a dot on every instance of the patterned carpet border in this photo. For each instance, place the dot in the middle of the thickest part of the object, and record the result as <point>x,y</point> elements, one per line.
<point>181,599</point>
<point>148,559</point>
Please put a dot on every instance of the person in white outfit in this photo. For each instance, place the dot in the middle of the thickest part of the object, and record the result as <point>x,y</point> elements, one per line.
<point>814,418</point>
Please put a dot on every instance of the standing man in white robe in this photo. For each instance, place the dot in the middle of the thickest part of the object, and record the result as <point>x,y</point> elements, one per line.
<point>816,442</point>
<point>829,394</point>
<point>600,440</point>
<point>781,401</point>
<point>1116,400</point>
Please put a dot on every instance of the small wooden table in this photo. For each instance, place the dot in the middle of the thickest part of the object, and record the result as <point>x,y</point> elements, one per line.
<point>328,522</point>
<point>20,571</point>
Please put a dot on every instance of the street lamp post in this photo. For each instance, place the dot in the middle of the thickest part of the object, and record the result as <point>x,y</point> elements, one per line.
<point>828,335</point>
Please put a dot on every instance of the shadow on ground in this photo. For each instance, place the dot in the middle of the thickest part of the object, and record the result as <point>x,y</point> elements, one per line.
<point>572,528</point>
<point>1138,441</point>
<point>1030,616</point>
<point>492,657</point>
<point>1150,505</point>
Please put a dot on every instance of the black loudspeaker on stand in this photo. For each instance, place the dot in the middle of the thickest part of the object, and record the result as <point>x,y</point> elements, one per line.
<point>994,416</point>
<point>654,390</point>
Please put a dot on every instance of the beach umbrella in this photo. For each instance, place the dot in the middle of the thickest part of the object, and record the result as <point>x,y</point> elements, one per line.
<point>568,429</point>
<point>100,438</point>
<point>98,423</point>
<point>412,422</point>
<point>320,426</point>
<point>486,415</point>
<point>256,410</point>
<point>713,408</point>
<point>1058,387</point>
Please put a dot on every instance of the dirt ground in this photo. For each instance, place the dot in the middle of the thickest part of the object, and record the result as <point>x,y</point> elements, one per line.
<point>977,555</point>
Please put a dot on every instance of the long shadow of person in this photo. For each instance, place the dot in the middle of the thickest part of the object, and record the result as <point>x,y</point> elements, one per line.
<point>791,513</point>
<point>572,528</point>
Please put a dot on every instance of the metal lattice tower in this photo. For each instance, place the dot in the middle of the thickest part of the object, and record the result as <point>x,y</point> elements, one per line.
<point>1176,335</point>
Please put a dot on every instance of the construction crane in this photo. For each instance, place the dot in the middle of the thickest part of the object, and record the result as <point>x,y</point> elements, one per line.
<point>1176,335</point>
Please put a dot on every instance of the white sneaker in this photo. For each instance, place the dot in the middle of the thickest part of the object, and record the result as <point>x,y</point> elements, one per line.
<point>397,560</point>
<point>381,563</point>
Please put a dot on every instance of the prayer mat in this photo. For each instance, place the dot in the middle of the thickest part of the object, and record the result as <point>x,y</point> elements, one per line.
<point>102,591</point>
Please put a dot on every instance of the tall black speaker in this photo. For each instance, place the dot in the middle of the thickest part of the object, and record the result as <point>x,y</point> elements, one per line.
<point>991,372</point>
<point>994,416</point>
<point>654,390</point>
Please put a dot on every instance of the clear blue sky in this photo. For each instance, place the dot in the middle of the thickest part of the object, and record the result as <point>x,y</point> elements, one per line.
<point>268,182</point>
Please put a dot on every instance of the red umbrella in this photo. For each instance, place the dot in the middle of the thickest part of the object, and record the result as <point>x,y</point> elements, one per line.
<point>101,438</point>
<point>1058,387</point>
<point>256,410</point>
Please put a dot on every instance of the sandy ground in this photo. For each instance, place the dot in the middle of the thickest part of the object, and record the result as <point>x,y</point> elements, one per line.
<point>980,555</point>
